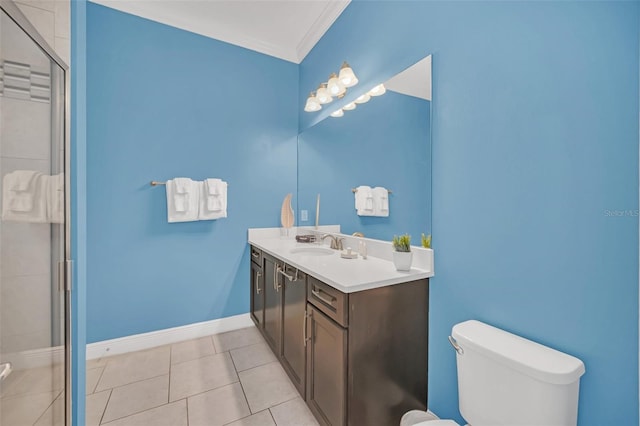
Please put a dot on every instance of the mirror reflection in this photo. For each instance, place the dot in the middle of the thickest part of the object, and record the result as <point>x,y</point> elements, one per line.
<point>383,144</point>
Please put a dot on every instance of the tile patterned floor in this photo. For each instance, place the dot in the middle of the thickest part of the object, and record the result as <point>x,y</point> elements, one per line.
<point>226,379</point>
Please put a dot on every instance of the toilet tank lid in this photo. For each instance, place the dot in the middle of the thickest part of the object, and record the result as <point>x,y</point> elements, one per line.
<point>531,358</point>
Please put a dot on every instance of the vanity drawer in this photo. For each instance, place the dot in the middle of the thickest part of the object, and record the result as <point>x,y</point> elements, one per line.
<point>327,299</point>
<point>256,256</point>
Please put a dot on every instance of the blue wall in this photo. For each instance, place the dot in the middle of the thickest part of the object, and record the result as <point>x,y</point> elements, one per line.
<point>535,146</point>
<point>162,103</point>
<point>385,142</point>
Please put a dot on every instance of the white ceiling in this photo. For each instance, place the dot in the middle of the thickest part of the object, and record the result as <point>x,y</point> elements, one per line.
<point>286,29</point>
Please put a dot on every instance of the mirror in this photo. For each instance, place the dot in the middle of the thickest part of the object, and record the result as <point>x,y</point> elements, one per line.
<point>385,142</point>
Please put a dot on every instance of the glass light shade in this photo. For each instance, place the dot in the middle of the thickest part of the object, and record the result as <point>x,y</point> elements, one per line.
<point>335,86</point>
<point>363,98</point>
<point>349,107</point>
<point>337,113</point>
<point>378,90</point>
<point>347,76</point>
<point>312,104</point>
<point>322,94</point>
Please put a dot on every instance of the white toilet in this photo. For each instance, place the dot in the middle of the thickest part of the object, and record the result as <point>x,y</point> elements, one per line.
<point>504,379</point>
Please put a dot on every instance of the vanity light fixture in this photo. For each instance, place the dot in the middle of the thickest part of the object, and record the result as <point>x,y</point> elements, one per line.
<point>350,106</point>
<point>347,76</point>
<point>378,90</point>
<point>335,86</point>
<point>312,104</point>
<point>363,98</point>
<point>337,113</point>
<point>323,95</point>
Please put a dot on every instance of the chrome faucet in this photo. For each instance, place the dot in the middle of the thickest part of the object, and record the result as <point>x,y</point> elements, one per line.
<point>336,242</point>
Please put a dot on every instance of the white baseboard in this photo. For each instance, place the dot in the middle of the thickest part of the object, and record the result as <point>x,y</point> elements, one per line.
<point>167,336</point>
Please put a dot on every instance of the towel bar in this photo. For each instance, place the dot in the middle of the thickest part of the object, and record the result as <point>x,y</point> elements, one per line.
<point>354,190</point>
<point>156,183</point>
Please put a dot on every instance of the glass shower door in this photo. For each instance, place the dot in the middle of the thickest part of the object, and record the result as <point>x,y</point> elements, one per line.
<point>32,229</point>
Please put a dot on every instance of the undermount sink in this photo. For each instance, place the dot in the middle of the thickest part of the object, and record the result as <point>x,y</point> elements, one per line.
<point>313,251</point>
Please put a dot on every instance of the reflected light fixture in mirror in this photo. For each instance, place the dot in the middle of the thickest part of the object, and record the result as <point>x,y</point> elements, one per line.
<point>312,104</point>
<point>364,98</point>
<point>378,90</point>
<point>337,113</point>
<point>350,106</point>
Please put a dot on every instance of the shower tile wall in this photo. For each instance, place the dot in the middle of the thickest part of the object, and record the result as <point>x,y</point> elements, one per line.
<point>25,294</point>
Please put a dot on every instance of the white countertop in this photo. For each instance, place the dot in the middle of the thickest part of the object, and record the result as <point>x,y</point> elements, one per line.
<point>346,275</point>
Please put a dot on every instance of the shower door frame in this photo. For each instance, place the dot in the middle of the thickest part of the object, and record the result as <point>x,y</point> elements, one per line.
<point>65,268</point>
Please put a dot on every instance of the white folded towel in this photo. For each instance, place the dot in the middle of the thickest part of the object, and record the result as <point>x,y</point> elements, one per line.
<point>183,199</point>
<point>213,199</point>
<point>364,201</point>
<point>381,201</point>
<point>55,198</point>
<point>24,196</point>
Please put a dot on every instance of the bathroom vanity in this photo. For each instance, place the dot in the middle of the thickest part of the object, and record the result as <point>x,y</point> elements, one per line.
<point>351,333</point>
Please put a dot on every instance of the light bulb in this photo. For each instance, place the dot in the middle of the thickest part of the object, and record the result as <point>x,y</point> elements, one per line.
<point>312,104</point>
<point>335,86</point>
<point>363,98</point>
<point>337,113</point>
<point>378,90</point>
<point>347,76</point>
<point>350,106</point>
<point>322,94</point>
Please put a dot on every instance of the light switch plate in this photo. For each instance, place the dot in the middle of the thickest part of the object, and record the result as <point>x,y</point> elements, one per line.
<point>304,215</point>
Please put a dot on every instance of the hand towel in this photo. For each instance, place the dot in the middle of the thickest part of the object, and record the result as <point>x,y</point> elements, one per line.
<point>183,199</point>
<point>213,199</point>
<point>381,201</point>
<point>364,201</point>
<point>55,198</point>
<point>24,196</point>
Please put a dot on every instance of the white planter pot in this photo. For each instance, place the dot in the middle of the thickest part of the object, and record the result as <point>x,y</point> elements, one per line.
<point>402,260</point>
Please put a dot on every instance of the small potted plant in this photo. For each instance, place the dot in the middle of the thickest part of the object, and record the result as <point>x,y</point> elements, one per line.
<point>426,241</point>
<point>402,256</point>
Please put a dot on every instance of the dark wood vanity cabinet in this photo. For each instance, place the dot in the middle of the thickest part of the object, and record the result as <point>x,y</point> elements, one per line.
<point>294,357</point>
<point>257,288</point>
<point>280,313</point>
<point>358,359</point>
<point>272,329</point>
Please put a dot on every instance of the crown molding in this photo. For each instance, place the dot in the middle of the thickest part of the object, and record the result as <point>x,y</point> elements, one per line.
<point>328,16</point>
<point>155,11</point>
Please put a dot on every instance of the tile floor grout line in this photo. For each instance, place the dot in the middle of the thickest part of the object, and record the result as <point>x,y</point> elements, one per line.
<point>170,365</point>
<point>205,391</point>
<point>132,383</point>
<point>271,414</point>
<point>186,403</point>
<point>240,381</point>
<point>105,406</point>
<point>213,342</point>
<point>50,405</point>
<point>98,381</point>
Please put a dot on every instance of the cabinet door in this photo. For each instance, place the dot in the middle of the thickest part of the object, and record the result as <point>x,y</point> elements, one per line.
<point>294,357</point>
<point>272,305</point>
<point>326,369</point>
<point>257,295</point>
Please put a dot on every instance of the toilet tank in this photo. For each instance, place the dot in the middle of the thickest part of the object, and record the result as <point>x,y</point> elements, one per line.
<point>504,379</point>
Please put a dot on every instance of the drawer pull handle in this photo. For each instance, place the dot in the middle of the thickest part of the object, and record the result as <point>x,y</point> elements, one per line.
<point>304,328</point>
<point>284,274</point>
<point>317,293</point>
<point>255,254</point>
